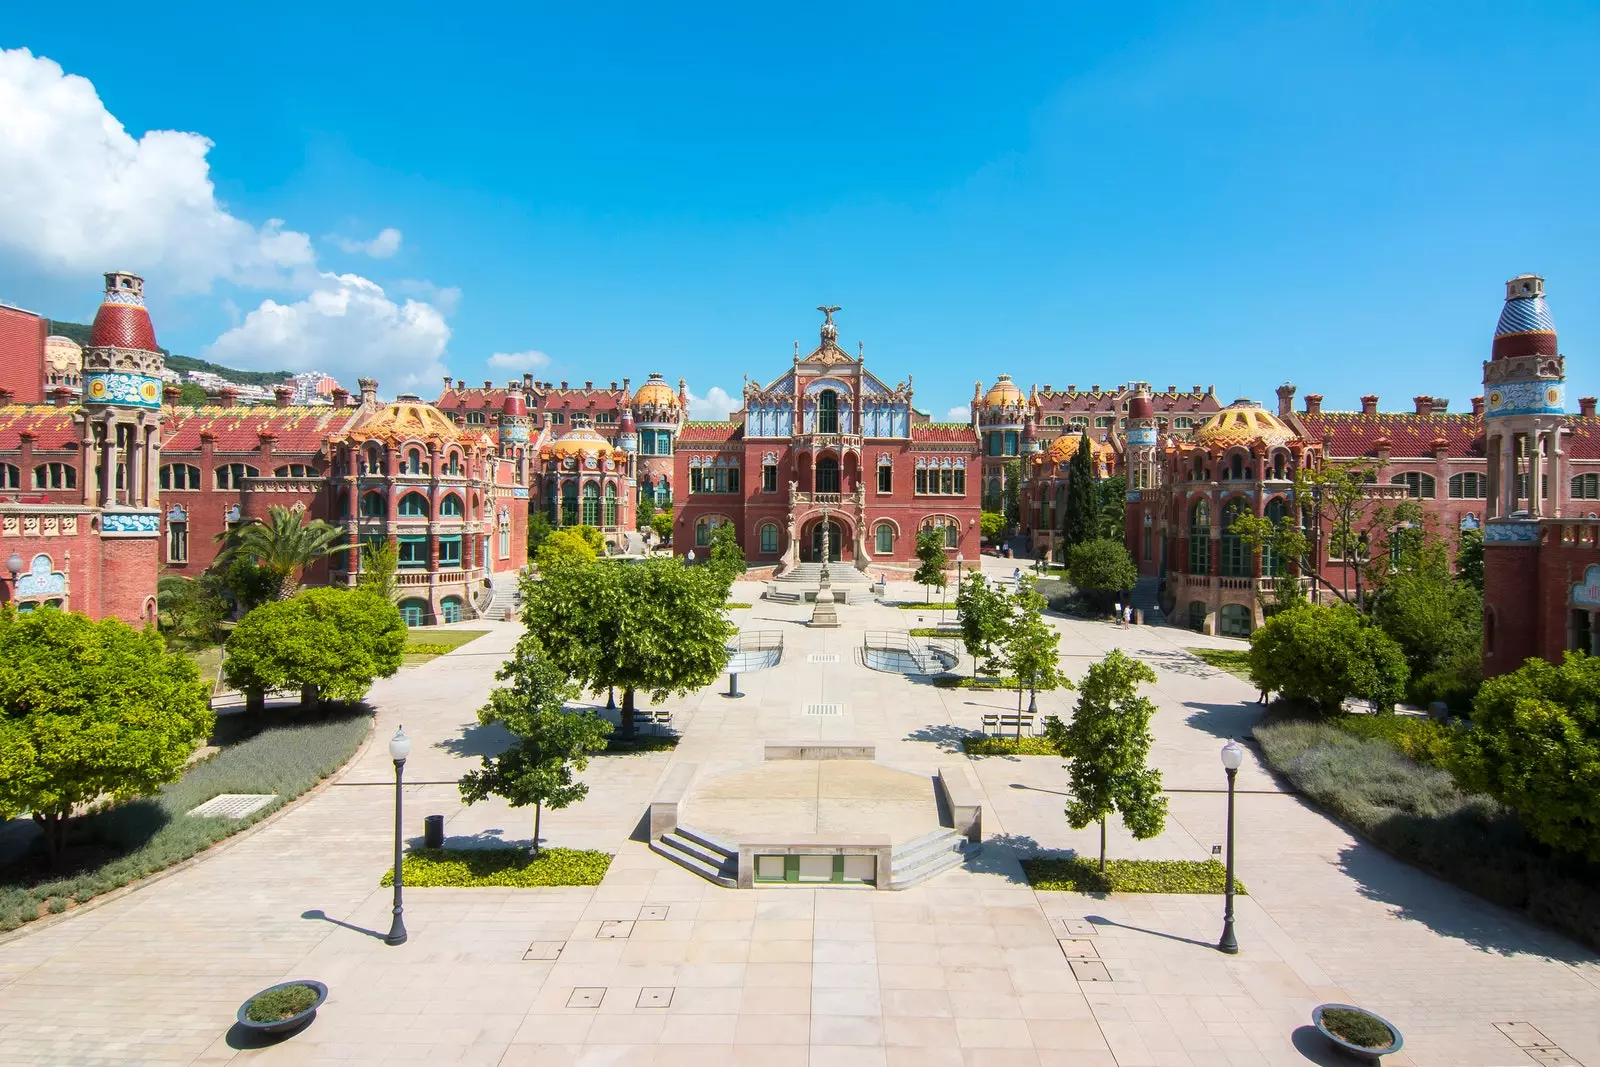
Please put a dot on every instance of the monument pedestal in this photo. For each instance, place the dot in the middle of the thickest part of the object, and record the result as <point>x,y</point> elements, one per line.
<point>824,615</point>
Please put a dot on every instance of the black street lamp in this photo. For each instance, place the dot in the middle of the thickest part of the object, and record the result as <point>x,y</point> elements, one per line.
<point>1232,757</point>
<point>399,749</point>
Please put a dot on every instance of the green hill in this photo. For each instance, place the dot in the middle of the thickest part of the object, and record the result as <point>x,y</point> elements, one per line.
<point>79,332</point>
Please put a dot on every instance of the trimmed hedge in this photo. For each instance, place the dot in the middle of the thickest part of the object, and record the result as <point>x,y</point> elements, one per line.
<point>1008,746</point>
<point>1080,874</point>
<point>963,681</point>
<point>1235,661</point>
<point>618,746</point>
<point>433,868</point>
<point>949,604</point>
<point>1423,740</point>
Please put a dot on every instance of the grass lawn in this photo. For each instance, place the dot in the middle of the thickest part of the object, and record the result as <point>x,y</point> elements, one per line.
<point>983,745</point>
<point>122,844</point>
<point>429,868</point>
<point>962,681</point>
<point>642,742</point>
<point>735,607</point>
<point>1233,660</point>
<point>208,659</point>
<point>919,606</point>
<point>424,645</point>
<point>934,631</point>
<point>1082,874</point>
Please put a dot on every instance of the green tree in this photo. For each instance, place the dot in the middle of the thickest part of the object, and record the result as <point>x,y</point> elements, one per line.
<point>1336,498</point>
<point>539,529</point>
<point>931,562</point>
<point>195,607</point>
<point>90,710</point>
<point>592,537</point>
<point>1102,569</point>
<point>1032,646</point>
<point>1282,540</point>
<point>656,626</point>
<point>380,562</point>
<point>1012,494</point>
<point>328,643</point>
<point>1469,558</point>
<point>661,523</point>
<point>246,582</point>
<point>725,554</point>
<point>562,547</point>
<point>644,513</point>
<point>991,524</point>
<point>1111,506</point>
<point>192,394</point>
<point>549,744</point>
<point>283,546</point>
<point>1107,745</point>
<point>1535,746</point>
<point>1437,620</point>
<point>1323,654</point>
<point>1081,515</point>
<point>985,615</point>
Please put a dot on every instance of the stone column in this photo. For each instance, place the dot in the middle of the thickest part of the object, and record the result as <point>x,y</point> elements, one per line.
<point>1491,449</point>
<point>1508,474</point>
<point>1535,470</point>
<point>1558,485</point>
<point>108,485</point>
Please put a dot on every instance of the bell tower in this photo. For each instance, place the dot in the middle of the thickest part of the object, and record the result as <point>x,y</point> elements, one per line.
<point>119,420</point>
<point>1524,388</point>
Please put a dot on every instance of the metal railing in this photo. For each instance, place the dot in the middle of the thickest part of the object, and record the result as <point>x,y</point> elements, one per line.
<point>754,650</point>
<point>896,650</point>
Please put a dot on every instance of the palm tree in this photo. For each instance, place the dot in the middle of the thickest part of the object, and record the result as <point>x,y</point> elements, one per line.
<point>284,545</point>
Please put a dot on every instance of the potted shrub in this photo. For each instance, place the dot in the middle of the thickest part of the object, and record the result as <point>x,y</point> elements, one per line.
<point>1357,1031</point>
<point>283,1007</point>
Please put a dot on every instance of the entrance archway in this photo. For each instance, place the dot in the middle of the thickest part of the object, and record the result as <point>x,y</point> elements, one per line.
<point>835,542</point>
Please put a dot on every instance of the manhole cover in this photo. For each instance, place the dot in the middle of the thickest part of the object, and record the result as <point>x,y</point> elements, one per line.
<point>233,805</point>
<point>654,998</point>
<point>1089,971</point>
<point>615,928</point>
<point>822,711</point>
<point>653,912</point>
<point>823,657</point>
<point>586,997</point>
<point>544,950</point>
<point>1078,949</point>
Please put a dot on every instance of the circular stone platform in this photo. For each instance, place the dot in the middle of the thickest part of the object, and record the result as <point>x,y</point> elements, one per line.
<point>837,796</point>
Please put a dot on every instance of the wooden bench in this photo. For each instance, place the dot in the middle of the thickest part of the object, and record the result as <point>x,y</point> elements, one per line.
<point>1006,721</point>
<point>656,717</point>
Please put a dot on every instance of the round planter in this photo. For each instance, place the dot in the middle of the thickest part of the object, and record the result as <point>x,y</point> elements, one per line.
<point>293,1022</point>
<point>1364,1055</point>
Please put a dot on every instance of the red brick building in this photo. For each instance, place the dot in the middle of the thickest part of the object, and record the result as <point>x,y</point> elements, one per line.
<point>828,441</point>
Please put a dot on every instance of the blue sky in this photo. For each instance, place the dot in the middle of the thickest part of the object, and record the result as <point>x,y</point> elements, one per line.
<point>1230,194</point>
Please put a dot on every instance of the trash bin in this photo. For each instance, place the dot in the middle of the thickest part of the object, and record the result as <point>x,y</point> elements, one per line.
<point>433,831</point>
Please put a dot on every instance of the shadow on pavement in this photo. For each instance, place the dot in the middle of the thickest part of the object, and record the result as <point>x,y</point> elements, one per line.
<point>242,1037</point>
<point>1179,663</point>
<point>318,913</point>
<point>477,740</point>
<point>947,738</point>
<point>1225,720</point>
<point>1315,1048</point>
<point>1101,920</point>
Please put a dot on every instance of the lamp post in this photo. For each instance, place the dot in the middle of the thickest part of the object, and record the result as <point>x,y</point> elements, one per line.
<point>960,559</point>
<point>399,749</point>
<point>691,557</point>
<point>1232,757</point>
<point>14,565</point>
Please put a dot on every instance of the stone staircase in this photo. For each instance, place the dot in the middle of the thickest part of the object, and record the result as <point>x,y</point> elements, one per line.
<point>800,582</point>
<point>920,859</point>
<point>716,861</point>
<point>504,598</point>
<point>1144,599</point>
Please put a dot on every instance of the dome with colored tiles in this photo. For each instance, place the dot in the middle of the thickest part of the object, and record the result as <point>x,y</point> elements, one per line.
<point>407,419</point>
<point>1063,448</point>
<point>655,393</point>
<point>1003,392</point>
<point>1525,327</point>
<point>581,440</point>
<point>1242,423</point>
<point>122,320</point>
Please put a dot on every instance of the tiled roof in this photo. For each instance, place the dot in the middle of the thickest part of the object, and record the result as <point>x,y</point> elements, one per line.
<point>1351,433</point>
<point>238,429</point>
<point>473,399</point>
<point>1583,441</point>
<point>944,431</point>
<point>709,432</point>
<point>51,426</point>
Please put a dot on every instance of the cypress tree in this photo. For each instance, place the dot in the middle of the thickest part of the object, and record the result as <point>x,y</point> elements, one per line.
<point>1083,506</point>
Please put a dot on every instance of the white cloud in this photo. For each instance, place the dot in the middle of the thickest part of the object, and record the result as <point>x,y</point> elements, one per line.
<point>532,359</point>
<point>80,195</point>
<point>716,405</point>
<point>386,244</point>
<point>444,297</point>
<point>959,413</point>
<point>346,327</point>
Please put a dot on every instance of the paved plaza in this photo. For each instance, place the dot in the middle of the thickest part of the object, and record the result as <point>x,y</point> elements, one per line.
<point>970,968</point>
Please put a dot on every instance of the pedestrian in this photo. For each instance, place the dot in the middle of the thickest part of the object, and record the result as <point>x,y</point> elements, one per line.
<point>1127,617</point>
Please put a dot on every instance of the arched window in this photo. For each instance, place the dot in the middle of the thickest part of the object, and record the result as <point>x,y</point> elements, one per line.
<point>569,504</point>
<point>1584,486</point>
<point>179,476</point>
<point>1273,564</point>
<point>992,496</point>
<point>1011,442</point>
<point>372,506</point>
<point>452,464</point>
<point>1418,485</point>
<point>1235,472</point>
<point>828,418</point>
<point>450,507</point>
<point>591,504</point>
<point>295,470</point>
<point>828,471</point>
<point>1054,420</point>
<point>1182,422</point>
<point>611,504</point>
<point>883,539</point>
<point>232,475</point>
<point>1234,620</point>
<point>1235,562</point>
<point>413,506</point>
<point>1280,466</point>
<point>1200,538</point>
<point>11,477</point>
<point>1199,474</point>
<point>413,611</point>
<point>1079,422</point>
<point>450,609</point>
<point>414,464</point>
<point>703,528</point>
<point>951,527</point>
<point>373,460</point>
<point>663,492</point>
<point>769,537</point>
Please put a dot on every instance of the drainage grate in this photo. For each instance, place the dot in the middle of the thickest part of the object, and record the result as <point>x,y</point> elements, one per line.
<point>653,912</point>
<point>655,997</point>
<point>586,997</point>
<point>822,711</point>
<point>233,805</point>
<point>823,657</point>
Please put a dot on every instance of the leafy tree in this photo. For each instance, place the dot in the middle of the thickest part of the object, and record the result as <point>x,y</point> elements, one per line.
<point>1102,569</point>
<point>931,562</point>
<point>655,626</point>
<point>329,643</point>
<point>1323,654</point>
<point>1469,558</point>
<point>1012,494</point>
<point>380,562</point>
<point>661,523</point>
<point>1111,500</point>
<point>1081,515</point>
<point>725,553</point>
<point>539,529</point>
<point>1535,746</point>
<point>1107,745</point>
<point>549,744</point>
<point>985,621</point>
<point>992,524</point>
<point>563,547</point>
<point>1283,540</point>
<point>192,394</point>
<point>1435,617</point>
<point>592,537</point>
<point>1032,645</point>
<point>283,546</point>
<point>644,513</point>
<point>1338,497</point>
<point>247,583</point>
<point>90,710</point>
<point>194,607</point>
